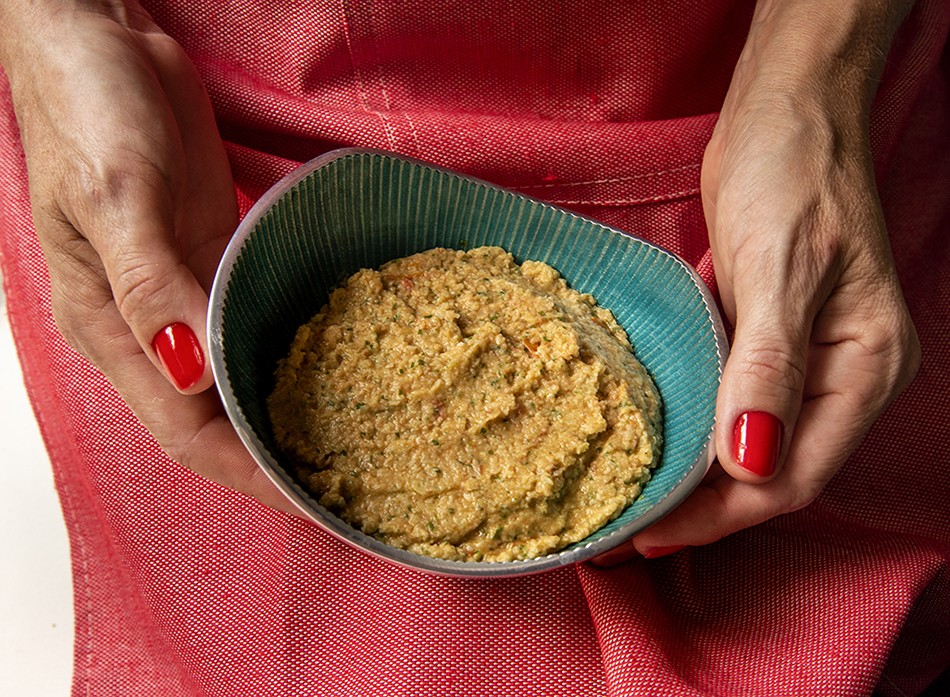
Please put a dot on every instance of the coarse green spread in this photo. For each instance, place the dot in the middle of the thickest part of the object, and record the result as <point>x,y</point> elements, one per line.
<point>462,406</point>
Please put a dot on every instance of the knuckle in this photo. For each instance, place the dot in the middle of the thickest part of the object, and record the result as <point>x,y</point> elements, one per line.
<point>66,320</point>
<point>112,185</point>
<point>910,354</point>
<point>77,312</point>
<point>775,366</point>
<point>78,295</point>
<point>176,452</point>
<point>800,500</point>
<point>892,343</point>
<point>121,187</point>
<point>137,286</point>
<point>903,362</point>
<point>798,503</point>
<point>188,448</point>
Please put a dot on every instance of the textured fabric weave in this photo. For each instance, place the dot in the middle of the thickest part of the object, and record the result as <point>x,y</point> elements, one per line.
<point>185,588</point>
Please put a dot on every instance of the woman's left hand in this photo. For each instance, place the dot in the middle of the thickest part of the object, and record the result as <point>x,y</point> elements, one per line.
<point>823,340</point>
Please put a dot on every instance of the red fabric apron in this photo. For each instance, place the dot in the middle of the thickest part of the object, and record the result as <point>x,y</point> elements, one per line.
<point>185,588</point>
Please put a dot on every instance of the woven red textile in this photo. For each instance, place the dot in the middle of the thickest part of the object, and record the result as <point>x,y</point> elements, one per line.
<point>185,588</point>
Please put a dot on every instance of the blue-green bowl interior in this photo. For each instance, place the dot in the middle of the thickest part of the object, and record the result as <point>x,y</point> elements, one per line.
<point>362,209</point>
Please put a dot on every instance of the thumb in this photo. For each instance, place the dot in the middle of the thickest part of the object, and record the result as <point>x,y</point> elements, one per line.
<point>162,302</point>
<point>761,391</point>
<point>164,305</point>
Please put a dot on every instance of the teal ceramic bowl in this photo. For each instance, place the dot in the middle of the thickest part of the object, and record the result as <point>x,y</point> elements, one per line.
<point>353,209</point>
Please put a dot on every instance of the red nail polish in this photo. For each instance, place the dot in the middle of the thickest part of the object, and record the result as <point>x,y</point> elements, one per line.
<point>180,353</point>
<point>656,552</point>
<point>757,441</point>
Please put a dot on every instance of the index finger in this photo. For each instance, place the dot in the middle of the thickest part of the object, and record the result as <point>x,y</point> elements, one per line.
<point>726,505</point>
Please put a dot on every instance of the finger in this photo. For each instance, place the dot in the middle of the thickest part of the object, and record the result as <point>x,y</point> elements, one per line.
<point>868,335</point>
<point>128,200</point>
<point>726,505</point>
<point>150,189</point>
<point>777,286</point>
<point>209,209</point>
<point>845,380</point>
<point>161,300</point>
<point>714,510</point>
<point>627,550</point>
<point>759,396</point>
<point>193,430</point>
<point>842,398</point>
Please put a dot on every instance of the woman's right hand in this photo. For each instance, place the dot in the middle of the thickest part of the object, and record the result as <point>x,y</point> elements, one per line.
<point>133,203</point>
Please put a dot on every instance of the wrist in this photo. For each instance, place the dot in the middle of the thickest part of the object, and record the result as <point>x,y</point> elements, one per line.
<point>811,67</point>
<point>815,49</point>
<point>29,25</point>
<point>24,24</point>
<point>834,45</point>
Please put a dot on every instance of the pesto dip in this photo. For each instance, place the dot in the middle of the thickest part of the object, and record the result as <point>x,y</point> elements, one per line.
<point>462,406</point>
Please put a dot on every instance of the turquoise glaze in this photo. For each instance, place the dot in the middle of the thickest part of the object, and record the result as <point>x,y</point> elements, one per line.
<point>353,209</point>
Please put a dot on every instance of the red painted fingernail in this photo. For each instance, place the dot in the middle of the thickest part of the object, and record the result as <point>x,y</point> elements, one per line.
<point>656,552</point>
<point>180,353</point>
<point>756,442</point>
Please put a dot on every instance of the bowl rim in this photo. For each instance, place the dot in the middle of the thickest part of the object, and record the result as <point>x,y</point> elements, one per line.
<point>348,533</point>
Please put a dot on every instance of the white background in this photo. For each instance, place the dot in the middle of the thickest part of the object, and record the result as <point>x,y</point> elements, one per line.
<point>36,615</point>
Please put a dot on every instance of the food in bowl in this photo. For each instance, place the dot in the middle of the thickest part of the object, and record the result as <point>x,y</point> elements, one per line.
<point>461,406</point>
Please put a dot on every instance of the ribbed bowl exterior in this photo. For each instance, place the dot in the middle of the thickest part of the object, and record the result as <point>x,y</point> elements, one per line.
<point>353,209</point>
